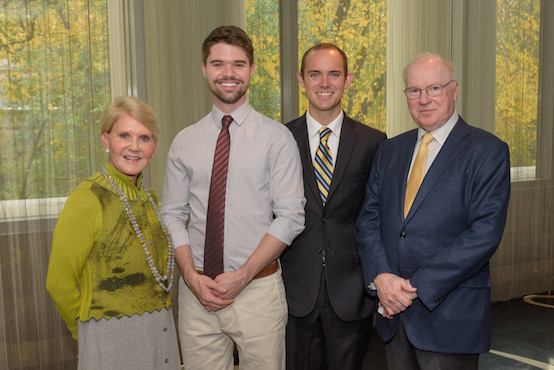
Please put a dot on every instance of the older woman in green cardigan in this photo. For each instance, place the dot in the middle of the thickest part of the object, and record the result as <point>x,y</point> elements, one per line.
<point>112,262</point>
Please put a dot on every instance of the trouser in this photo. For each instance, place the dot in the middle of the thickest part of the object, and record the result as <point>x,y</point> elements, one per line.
<point>255,322</point>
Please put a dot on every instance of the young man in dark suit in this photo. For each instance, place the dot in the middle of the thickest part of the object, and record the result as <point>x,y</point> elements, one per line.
<point>330,314</point>
<point>425,245</point>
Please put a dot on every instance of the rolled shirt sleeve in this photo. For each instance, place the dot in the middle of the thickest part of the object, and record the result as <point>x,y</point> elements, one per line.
<point>286,189</point>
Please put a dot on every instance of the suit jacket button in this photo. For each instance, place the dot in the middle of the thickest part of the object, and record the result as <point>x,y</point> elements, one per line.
<point>318,250</point>
<point>402,234</point>
<point>324,219</point>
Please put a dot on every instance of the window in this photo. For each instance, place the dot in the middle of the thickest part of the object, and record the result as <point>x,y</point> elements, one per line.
<point>356,26</point>
<point>263,28</point>
<point>54,85</point>
<point>359,28</point>
<point>517,82</point>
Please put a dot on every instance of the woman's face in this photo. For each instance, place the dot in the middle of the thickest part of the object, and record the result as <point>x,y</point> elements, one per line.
<point>131,146</point>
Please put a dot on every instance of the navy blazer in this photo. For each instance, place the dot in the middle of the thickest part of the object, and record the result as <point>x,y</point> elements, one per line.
<point>331,228</point>
<point>444,245</point>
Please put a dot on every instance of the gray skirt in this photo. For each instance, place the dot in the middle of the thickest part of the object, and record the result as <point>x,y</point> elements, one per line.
<point>147,341</point>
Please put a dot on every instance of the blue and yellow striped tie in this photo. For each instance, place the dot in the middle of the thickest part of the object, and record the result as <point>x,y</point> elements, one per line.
<point>323,164</point>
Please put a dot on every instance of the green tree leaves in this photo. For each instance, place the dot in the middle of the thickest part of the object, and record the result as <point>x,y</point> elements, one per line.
<point>54,84</point>
<point>356,26</point>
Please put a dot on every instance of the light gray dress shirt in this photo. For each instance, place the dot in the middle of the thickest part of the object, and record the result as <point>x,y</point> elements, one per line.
<point>265,191</point>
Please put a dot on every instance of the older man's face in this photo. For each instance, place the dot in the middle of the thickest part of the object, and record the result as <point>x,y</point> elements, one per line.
<point>431,112</point>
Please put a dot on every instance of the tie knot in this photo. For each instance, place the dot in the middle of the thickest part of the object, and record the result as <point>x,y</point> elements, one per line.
<point>427,138</point>
<point>324,134</point>
<point>226,121</point>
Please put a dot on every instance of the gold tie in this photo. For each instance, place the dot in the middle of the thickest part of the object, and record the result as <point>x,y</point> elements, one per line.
<point>416,176</point>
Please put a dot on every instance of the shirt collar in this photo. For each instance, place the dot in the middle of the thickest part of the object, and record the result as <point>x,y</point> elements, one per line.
<point>314,126</point>
<point>440,134</point>
<point>239,114</point>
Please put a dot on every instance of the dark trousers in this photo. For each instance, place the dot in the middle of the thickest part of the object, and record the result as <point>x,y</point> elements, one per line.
<point>402,355</point>
<point>323,341</point>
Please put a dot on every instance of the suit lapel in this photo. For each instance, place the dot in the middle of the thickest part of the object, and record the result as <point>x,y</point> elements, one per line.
<point>406,152</point>
<point>300,134</point>
<point>346,145</point>
<point>447,154</point>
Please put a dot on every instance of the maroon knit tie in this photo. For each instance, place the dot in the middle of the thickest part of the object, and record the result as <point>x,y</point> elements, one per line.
<point>213,248</point>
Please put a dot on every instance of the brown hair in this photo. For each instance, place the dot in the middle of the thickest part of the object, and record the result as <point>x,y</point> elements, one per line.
<point>323,46</point>
<point>231,35</point>
<point>134,107</point>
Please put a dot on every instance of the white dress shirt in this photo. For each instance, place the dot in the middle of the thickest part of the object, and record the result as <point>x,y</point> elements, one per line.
<point>440,135</point>
<point>313,134</point>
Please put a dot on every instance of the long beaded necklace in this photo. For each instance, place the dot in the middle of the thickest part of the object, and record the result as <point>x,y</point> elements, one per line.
<point>171,249</point>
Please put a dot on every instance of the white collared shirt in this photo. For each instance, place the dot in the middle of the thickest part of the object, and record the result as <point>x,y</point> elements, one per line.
<point>440,135</point>
<point>313,134</point>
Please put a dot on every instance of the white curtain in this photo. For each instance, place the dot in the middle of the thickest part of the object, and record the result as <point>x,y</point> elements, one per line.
<point>54,84</point>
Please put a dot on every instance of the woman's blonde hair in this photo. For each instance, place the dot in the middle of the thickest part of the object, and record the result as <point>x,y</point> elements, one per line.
<point>134,107</point>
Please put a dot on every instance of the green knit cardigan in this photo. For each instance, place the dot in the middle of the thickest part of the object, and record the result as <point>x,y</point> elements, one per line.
<point>98,267</point>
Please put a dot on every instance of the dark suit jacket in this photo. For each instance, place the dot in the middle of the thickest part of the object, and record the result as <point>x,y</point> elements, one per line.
<point>445,243</point>
<point>332,228</point>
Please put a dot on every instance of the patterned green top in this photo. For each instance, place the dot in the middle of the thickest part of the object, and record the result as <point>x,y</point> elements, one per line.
<point>98,267</point>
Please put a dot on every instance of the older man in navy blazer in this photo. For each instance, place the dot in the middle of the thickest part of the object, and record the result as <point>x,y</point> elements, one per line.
<point>427,259</point>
